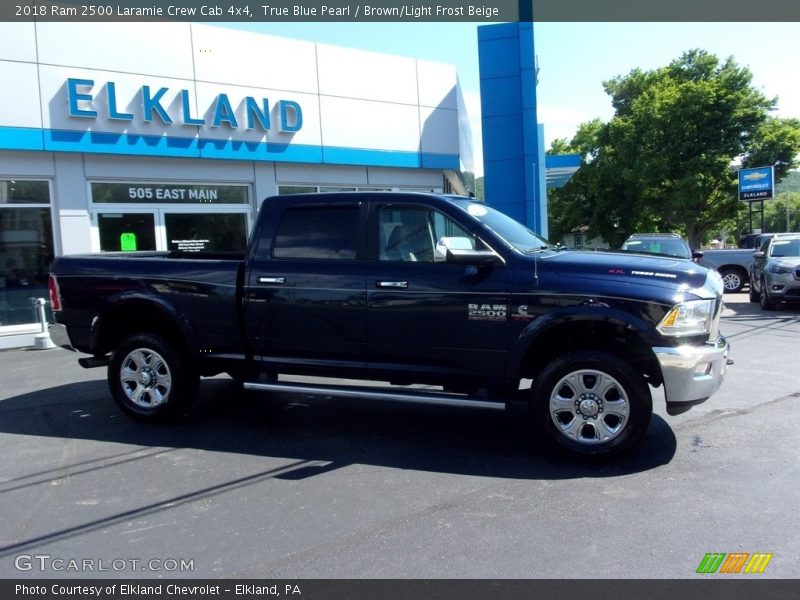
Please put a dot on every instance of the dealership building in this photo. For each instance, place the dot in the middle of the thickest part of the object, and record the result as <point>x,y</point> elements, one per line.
<point>168,136</point>
<point>161,136</point>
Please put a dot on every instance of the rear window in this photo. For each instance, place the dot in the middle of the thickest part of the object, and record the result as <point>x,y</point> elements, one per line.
<point>324,232</point>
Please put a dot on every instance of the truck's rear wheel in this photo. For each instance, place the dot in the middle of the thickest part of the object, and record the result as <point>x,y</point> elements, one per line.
<point>149,379</point>
<point>591,403</point>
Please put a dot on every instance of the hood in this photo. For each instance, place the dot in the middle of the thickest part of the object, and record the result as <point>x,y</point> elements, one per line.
<point>624,267</point>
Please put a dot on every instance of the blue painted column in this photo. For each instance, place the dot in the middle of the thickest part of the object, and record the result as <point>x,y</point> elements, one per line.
<point>513,157</point>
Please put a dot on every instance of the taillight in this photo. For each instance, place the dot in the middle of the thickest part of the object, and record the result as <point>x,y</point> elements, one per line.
<point>55,294</point>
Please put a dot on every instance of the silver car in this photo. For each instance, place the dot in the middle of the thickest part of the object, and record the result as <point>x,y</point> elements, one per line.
<point>775,271</point>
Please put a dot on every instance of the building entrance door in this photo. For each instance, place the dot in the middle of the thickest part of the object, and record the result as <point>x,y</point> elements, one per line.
<point>126,231</point>
<point>182,217</point>
<point>172,229</point>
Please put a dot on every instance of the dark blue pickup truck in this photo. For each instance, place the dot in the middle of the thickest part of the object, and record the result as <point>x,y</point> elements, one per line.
<point>404,289</point>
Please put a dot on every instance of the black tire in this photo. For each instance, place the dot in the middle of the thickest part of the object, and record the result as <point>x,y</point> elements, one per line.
<point>767,303</point>
<point>754,295</point>
<point>151,380</point>
<point>732,280</point>
<point>591,404</point>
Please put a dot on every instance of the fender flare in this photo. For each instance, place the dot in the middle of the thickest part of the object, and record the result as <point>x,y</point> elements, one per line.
<point>141,301</point>
<point>587,313</point>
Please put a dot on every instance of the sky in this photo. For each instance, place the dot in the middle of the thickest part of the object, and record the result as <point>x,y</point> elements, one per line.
<point>575,58</point>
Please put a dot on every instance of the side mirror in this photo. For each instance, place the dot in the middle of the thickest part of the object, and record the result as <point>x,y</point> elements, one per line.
<point>473,257</point>
<point>697,254</point>
<point>759,254</point>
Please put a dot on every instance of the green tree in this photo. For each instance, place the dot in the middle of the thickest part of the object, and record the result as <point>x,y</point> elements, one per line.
<point>560,146</point>
<point>581,201</point>
<point>479,194</point>
<point>776,144</point>
<point>783,212</point>
<point>468,177</point>
<point>665,161</point>
<point>790,183</point>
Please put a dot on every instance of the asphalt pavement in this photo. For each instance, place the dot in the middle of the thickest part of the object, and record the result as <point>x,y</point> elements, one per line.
<point>283,486</point>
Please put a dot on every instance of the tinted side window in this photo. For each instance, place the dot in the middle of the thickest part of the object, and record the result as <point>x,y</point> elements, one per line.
<point>420,235</point>
<point>324,232</point>
<point>405,234</point>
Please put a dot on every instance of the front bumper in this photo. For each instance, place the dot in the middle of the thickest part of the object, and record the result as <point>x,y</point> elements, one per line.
<point>692,374</point>
<point>783,287</point>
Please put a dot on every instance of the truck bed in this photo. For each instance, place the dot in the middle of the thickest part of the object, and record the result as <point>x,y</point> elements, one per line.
<point>201,287</point>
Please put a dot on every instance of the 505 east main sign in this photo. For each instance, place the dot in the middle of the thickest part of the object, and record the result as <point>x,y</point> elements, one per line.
<point>254,114</point>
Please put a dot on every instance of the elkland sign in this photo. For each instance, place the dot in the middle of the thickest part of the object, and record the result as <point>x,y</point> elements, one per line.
<point>152,105</point>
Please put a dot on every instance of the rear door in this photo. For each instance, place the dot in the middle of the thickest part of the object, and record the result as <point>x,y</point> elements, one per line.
<point>305,290</point>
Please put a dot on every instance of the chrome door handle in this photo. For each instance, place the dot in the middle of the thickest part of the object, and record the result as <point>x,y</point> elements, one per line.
<point>393,284</point>
<point>276,280</point>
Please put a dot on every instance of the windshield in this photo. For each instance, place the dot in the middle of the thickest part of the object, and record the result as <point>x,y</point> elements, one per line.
<point>516,235</point>
<point>784,248</point>
<point>667,247</point>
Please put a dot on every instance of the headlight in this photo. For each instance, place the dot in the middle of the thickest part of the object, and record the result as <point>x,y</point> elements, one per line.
<point>688,318</point>
<point>779,270</point>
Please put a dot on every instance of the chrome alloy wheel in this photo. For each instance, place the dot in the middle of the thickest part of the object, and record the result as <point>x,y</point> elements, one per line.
<point>145,378</point>
<point>732,281</point>
<point>589,407</point>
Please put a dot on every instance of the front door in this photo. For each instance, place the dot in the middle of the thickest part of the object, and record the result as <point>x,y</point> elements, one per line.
<point>426,315</point>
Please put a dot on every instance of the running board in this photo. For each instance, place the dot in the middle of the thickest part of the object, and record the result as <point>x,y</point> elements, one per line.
<point>92,362</point>
<point>371,393</point>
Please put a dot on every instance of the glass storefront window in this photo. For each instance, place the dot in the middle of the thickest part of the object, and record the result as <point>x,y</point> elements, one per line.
<point>209,232</point>
<point>26,248</point>
<point>296,189</point>
<point>168,193</point>
<point>182,217</point>
<point>310,189</point>
<point>15,191</point>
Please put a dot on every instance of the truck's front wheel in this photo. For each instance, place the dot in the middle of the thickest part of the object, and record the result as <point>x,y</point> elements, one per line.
<point>591,403</point>
<point>149,379</point>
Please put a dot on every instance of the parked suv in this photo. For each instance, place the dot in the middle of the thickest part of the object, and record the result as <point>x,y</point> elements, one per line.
<point>663,244</point>
<point>775,271</point>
